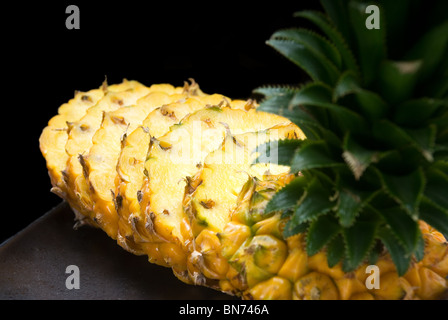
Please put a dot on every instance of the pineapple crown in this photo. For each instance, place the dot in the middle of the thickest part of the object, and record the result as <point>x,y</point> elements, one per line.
<point>375,115</point>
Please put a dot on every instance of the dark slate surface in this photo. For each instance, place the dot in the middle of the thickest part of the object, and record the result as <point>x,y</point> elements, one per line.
<point>33,266</point>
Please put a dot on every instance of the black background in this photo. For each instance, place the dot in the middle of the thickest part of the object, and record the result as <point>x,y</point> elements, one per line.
<point>219,44</point>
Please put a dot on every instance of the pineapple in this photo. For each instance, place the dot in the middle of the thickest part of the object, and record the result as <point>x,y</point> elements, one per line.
<point>79,142</point>
<point>54,137</point>
<point>173,160</point>
<point>100,162</point>
<point>130,165</point>
<point>262,264</point>
<point>229,167</point>
<point>189,179</point>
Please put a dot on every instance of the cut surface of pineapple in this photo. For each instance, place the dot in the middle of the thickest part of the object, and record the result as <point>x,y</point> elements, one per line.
<point>54,137</point>
<point>178,155</point>
<point>227,169</point>
<point>79,143</point>
<point>101,160</point>
<point>130,166</point>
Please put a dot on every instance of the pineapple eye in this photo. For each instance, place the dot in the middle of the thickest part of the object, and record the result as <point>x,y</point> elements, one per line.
<point>86,98</point>
<point>118,120</point>
<point>165,145</point>
<point>207,204</point>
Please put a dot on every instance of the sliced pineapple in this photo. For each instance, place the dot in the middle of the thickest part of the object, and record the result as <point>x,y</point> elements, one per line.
<point>54,137</point>
<point>226,170</point>
<point>214,194</point>
<point>101,160</point>
<point>80,140</point>
<point>178,155</point>
<point>133,155</point>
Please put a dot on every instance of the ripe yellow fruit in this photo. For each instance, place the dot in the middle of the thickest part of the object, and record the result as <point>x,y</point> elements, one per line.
<point>168,172</point>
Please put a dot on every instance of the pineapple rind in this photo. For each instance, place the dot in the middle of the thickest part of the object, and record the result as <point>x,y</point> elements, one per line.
<point>425,279</point>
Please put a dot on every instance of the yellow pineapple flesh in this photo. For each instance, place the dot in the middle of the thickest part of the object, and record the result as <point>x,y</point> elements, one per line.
<point>130,166</point>
<point>226,170</point>
<point>101,160</point>
<point>79,142</point>
<point>54,137</point>
<point>176,157</point>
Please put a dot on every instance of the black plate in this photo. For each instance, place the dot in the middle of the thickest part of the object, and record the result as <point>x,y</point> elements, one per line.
<point>33,266</point>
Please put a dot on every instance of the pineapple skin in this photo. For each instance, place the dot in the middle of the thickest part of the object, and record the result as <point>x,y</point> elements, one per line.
<point>249,257</point>
<point>295,275</point>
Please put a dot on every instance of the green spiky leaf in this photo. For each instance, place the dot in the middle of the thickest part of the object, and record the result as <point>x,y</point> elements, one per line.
<point>399,138</point>
<point>316,201</point>
<point>291,228</point>
<point>416,111</point>
<point>359,239</point>
<point>434,215</point>
<point>357,157</point>
<point>350,203</point>
<point>276,91</point>
<point>320,232</point>
<point>335,251</point>
<point>430,49</point>
<point>338,16</point>
<point>419,252</point>
<point>406,190</point>
<point>437,186</point>
<point>398,254</point>
<point>424,140</point>
<point>371,47</point>
<point>319,96</point>
<point>369,103</point>
<point>288,196</point>
<point>397,79</point>
<point>315,42</point>
<point>346,84</point>
<point>313,154</point>
<point>405,229</point>
<point>375,253</point>
<point>279,101</point>
<point>319,68</point>
<point>331,32</point>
